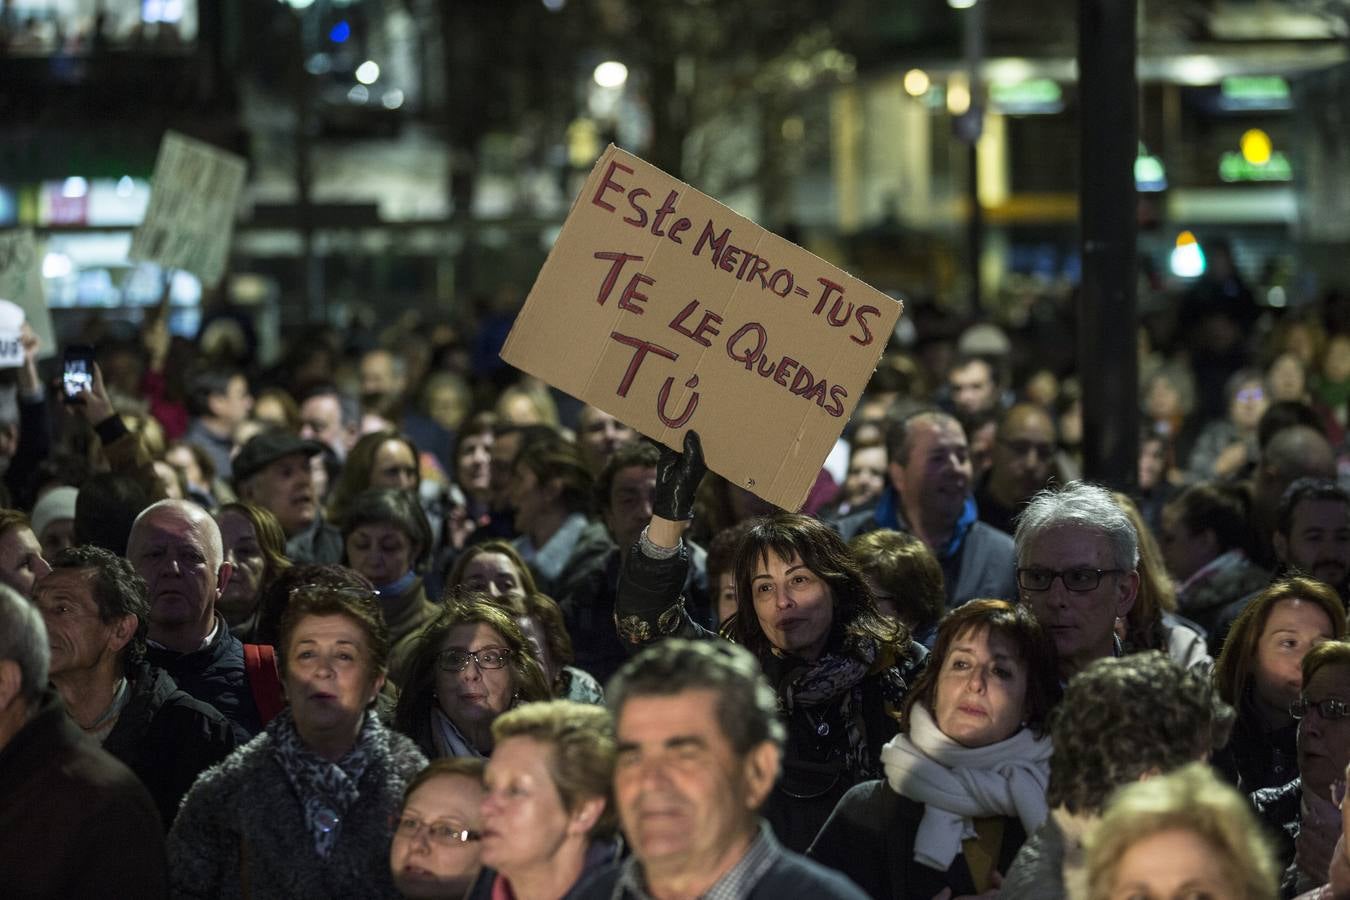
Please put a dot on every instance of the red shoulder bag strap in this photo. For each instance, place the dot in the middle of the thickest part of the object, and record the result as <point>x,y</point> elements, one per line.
<point>260,665</point>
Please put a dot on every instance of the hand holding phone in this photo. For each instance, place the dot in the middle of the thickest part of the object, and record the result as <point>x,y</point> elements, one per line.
<point>77,373</point>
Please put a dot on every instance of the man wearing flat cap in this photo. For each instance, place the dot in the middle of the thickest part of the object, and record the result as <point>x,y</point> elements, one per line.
<point>272,471</point>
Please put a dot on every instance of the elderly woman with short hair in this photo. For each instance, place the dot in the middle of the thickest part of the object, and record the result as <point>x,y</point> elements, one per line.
<point>548,815</point>
<point>1183,834</point>
<point>305,809</point>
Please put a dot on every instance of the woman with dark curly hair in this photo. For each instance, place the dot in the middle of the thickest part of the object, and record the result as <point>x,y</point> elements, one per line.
<point>470,665</point>
<point>840,668</point>
<point>1122,719</point>
<point>965,780</point>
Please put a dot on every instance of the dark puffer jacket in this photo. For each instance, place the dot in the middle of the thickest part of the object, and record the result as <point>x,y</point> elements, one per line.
<point>167,737</point>
<point>215,675</point>
<point>241,831</point>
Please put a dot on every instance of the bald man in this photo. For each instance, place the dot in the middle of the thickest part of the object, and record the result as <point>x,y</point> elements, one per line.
<point>1291,453</point>
<point>1023,461</point>
<point>176,547</point>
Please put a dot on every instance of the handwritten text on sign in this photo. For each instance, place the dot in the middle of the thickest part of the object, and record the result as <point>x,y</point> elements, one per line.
<point>192,204</point>
<point>670,311</point>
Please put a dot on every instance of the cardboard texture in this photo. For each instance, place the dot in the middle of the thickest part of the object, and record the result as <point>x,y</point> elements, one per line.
<point>21,283</point>
<point>193,198</point>
<point>669,311</point>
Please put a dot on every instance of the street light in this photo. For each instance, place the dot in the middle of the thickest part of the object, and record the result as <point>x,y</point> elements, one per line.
<point>611,74</point>
<point>368,72</point>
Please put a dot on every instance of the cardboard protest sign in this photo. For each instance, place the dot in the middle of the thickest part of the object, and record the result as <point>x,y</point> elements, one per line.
<point>669,311</point>
<point>21,284</point>
<point>190,218</point>
<point>11,329</point>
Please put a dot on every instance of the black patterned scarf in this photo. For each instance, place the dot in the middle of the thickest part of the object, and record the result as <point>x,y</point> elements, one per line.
<point>836,678</point>
<point>326,790</point>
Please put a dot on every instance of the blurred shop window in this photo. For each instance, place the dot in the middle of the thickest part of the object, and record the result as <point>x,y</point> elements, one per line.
<point>85,27</point>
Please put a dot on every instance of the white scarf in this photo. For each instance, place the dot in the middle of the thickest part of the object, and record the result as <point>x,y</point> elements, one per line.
<point>958,784</point>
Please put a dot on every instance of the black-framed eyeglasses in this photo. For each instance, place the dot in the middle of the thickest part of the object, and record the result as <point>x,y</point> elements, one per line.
<point>1330,708</point>
<point>1078,580</point>
<point>408,827</point>
<point>458,660</point>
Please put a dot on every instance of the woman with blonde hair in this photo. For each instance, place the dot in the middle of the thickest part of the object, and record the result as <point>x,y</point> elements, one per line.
<point>1181,834</point>
<point>548,813</point>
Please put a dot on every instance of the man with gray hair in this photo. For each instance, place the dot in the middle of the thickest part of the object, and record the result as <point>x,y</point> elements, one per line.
<point>95,608</point>
<point>77,823</point>
<point>1077,569</point>
<point>176,547</point>
<point>699,743</point>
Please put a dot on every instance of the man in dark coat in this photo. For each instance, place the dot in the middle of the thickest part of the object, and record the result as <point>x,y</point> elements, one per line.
<point>77,823</point>
<point>176,547</point>
<point>590,579</point>
<point>699,745</point>
<point>95,606</point>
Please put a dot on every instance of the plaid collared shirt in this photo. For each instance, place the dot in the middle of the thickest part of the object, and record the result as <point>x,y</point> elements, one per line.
<point>739,881</point>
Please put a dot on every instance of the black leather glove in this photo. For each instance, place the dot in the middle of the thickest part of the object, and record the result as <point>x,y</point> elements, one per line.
<point>678,476</point>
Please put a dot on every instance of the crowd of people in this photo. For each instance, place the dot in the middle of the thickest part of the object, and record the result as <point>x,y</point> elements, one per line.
<point>396,621</point>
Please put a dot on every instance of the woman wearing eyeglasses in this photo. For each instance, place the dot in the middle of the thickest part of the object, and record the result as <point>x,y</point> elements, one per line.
<point>436,851</point>
<point>470,665</point>
<point>1260,674</point>
<point>1323,711</point>
<point>548,812</point>
<point>304,809</point>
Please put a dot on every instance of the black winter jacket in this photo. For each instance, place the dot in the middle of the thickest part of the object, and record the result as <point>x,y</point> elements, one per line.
<point>215,675</point>
<point>870,838</point>
<point>167,737</point>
